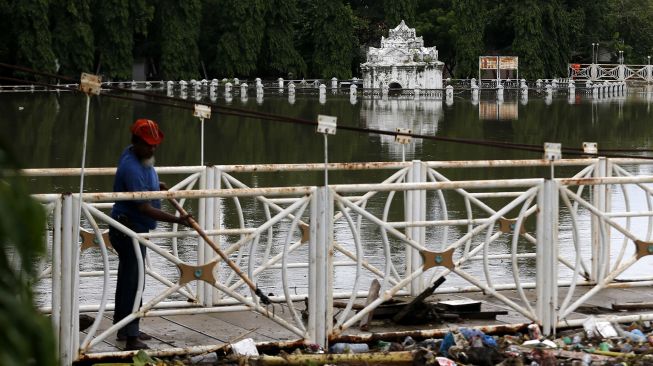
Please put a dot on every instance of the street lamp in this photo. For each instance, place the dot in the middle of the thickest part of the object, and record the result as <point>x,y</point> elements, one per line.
<point>593,44</point>
<point>621,57</point>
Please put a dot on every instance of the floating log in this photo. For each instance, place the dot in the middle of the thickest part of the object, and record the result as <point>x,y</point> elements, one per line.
<point>376,358</point>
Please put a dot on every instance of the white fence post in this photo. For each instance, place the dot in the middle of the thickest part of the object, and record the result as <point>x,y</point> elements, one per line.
<point>208,225</point>
<point>201,245</point>
<point>320,272</point>
<point>547,256</point>
<point>600,246</point>
<point>415,211</point>
<point>68,319</point>
<point>217,221</point>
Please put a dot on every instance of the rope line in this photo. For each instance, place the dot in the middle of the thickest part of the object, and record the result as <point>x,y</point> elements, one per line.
<point>244,113</point>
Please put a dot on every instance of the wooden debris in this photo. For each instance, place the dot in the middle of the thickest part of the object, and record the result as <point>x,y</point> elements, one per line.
<point>372,295</point>
<point>417,310</point>
<point>376,358</point>
<point>633,306</point>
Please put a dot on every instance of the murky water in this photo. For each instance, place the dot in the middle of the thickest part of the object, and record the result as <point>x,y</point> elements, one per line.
<point>46,130</point>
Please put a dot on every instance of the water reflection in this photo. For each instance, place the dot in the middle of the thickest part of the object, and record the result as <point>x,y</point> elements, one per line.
<point>421,116</point>
<point>498,110</point>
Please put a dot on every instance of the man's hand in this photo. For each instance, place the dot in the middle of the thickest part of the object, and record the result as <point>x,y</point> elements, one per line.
<point>163,186</point>
<point>185,220</point>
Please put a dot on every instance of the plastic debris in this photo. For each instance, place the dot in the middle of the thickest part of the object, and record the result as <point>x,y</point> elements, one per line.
<point>245,347</point>
<point>349,348</point>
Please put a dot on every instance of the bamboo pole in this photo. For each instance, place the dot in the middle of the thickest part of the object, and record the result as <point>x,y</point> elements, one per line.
<point>232,265</point>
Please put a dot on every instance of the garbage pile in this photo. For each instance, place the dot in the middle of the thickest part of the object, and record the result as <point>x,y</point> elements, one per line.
<point>597,343</point>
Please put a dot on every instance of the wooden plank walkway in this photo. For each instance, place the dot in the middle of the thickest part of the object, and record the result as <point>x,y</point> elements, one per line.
<point>220,328</point>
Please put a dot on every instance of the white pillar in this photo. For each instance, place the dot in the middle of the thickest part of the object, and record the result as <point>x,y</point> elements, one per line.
<point>546,276</point>
<point>280,82</point>
<point>69,306</point>
<point>600,248</point>
<point>227,88</point>
<point>415,211</point>
<point>322,95</point>
<point>243,92</point>
<point>320,312</point>
<point>334,83</point>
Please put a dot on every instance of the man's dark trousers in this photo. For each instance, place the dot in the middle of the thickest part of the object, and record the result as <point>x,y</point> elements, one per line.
<point>127,283</point>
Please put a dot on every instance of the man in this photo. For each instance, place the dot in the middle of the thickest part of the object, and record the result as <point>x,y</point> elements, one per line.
<point>136,174</point>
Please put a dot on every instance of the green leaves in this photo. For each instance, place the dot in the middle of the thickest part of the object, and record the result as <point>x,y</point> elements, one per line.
<point>333,40</point>
<point>27,336</point>
<point>72,36</point>
<point>177,35</point>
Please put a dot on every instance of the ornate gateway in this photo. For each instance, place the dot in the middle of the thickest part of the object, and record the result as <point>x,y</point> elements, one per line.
<point>402,61</point>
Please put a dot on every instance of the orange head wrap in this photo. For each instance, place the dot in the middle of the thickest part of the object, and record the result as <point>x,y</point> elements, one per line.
<point>147,130</point>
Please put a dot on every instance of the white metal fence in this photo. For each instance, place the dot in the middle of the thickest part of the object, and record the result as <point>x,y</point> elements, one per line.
<point>588,226</point>
<point>611,72</point>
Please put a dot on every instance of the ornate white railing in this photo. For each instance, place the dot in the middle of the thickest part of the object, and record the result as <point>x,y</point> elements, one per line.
<point>611,72</point>
<point>411,227</point>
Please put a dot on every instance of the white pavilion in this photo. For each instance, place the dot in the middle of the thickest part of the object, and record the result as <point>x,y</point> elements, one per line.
<point>402,61</point>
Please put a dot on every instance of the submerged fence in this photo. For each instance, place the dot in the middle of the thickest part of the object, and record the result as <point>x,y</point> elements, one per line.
<point>588,223</point>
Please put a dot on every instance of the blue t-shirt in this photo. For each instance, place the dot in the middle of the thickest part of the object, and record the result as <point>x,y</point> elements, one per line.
<point>133,176</point>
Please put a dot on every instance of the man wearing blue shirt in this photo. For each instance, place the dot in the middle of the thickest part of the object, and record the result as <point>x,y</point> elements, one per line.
<point>136,174</point>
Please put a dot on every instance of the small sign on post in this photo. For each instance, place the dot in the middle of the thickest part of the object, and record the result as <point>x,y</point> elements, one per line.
<point>90,84</point>
<point>552,151</point>
<point>403,136</point>
<point>202,111</point>
<point>590,148</point>
<point>326,124</point>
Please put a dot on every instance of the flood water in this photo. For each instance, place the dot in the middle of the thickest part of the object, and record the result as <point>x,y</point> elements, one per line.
<point>46,130</point>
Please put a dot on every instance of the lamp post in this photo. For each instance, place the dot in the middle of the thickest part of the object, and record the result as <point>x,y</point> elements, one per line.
<point>593,44</point>
<point>621,57</point>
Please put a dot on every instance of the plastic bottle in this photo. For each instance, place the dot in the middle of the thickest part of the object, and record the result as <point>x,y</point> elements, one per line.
<point>587,360</point>
<point>349,348</point>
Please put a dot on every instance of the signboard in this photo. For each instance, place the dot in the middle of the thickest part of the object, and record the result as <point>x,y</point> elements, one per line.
<point>498,68</point>
<point>508,62</point>
<point>488,62</point>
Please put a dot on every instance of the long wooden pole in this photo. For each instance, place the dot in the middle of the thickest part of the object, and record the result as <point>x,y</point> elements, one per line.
<point>232,265</point>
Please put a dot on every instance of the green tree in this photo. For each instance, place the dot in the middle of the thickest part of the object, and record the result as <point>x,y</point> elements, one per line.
<point>398,10</point>
<point>333,40</point>
<point>278,54</point>
<point>31,29</point>
<point>239,28</point>
<point>72,36</point>
<point>469,30</point>
<point>435,22</point>
<point>6,30</point>
<point>177,36</point>
<point>117,22</point>
<point>528,41</point>
<point>631,28</point>
<point>27,336</point>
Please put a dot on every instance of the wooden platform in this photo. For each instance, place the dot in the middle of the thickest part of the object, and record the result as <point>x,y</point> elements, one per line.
<point>220,328</point>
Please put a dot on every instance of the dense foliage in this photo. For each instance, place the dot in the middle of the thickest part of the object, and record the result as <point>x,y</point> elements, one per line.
<point>27,337</point>
<point>312,38</point>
